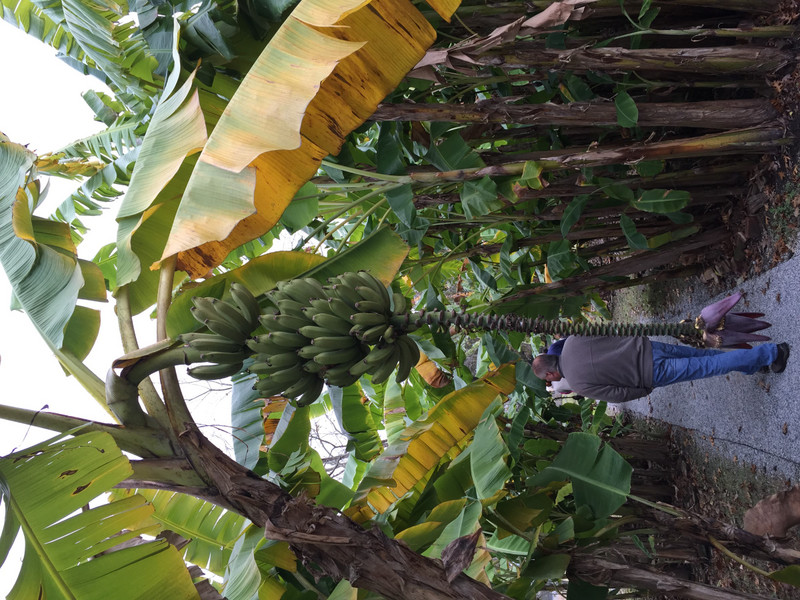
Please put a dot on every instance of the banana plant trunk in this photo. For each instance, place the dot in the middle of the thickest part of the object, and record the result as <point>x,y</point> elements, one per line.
<point>723,114</point>
<point>323,537</point>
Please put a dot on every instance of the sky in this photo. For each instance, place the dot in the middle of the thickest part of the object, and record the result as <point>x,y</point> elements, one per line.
<point>41,107</point>
<point>44,111</point>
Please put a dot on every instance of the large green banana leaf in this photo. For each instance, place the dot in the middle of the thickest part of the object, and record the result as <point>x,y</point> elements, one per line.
<point>40,261</point>
<point>211,530</point>
<point>601,479</point>
<point>69,552</point>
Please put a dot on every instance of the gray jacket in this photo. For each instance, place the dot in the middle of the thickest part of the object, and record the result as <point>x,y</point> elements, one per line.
<point>614,369</point>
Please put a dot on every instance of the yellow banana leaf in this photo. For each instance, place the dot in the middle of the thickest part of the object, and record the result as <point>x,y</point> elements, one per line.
<point>321,76</point>
<point>431,373</point>
<point>422,445</point>
<point>445,8</point>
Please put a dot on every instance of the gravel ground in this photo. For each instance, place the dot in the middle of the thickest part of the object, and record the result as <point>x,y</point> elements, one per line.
<point>751,419</point>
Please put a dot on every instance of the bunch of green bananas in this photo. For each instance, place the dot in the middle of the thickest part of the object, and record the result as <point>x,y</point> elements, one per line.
<point>331,334</point>
<point>230,324</point>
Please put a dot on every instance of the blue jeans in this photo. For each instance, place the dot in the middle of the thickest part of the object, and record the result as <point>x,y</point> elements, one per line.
<point>673,364</point>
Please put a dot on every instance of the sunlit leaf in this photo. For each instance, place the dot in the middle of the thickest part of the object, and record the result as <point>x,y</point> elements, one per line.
<point>63,550</point>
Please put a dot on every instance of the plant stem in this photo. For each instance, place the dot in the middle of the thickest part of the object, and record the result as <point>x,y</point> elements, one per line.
<point>370,174</point>
<point>718,545</point>
<point>361,219</point>
<point>179,415</point>
<point>143,442</point>
<point>150,398</point>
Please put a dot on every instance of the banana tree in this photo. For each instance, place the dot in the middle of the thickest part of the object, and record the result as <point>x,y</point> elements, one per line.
<point>226,146</point>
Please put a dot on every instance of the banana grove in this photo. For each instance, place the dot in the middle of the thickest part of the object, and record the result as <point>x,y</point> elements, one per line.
<point>458,180</point>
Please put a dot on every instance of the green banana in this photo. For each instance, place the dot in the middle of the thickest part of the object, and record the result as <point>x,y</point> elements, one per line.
<point>202,308</point>
<point>292,323</point>
<point>283,360</point>
<point>312,367</point>
<point>312,331</point>
<point>223,328</point>
<point>368,294</point>
<point>370,306</point>
<point>208,372</point>
<point>224,358</point>
<point>338,342</point>
<point>400,304</point>
<point>341,308</point>
<point>291,307</point>
<point>287,340</point>
<point>204,311</point>
<point>245,302</point>
<point>382,371</point>
<point>369,319</point>
<point>409,357</point>
<point>276,296</point>
<point>377,285</point>
<point>340,376</point>
<point>351,280</point>
<point>337,357</point>
<point>231,314</point>
<point>379,354</point>
<point>372,335</point>
<point>301,290</point>
<point>263,368</point>
<point>272,323</point>
<point>389,334</point>
<point>300,386</point>
<point>287,376</point>
<point>321,305</point>
<point>310,351</point>
<point>312,393</point>
<point>359,368</point>
<point>346,294</point>
<point>267,387</point>
<point>210,342</point>
<point>333,323</point>
<point>262,345</point>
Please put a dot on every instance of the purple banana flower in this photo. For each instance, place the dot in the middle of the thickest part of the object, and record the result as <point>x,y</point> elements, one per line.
<point>744,322</point>
<point>712,314</point>
<point>734,330</point>
<point>724,338</point>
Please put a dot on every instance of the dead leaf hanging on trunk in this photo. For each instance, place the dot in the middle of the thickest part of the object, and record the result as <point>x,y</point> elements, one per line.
<point>458,554</point>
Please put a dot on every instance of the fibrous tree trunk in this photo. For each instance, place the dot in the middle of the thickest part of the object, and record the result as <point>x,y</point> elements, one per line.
<point>725,114</point>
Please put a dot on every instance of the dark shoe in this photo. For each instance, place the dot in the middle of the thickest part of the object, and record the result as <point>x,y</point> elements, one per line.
<point>779,364</point>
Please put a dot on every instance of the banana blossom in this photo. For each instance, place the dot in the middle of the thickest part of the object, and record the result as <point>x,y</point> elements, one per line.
<point>723,330</point>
